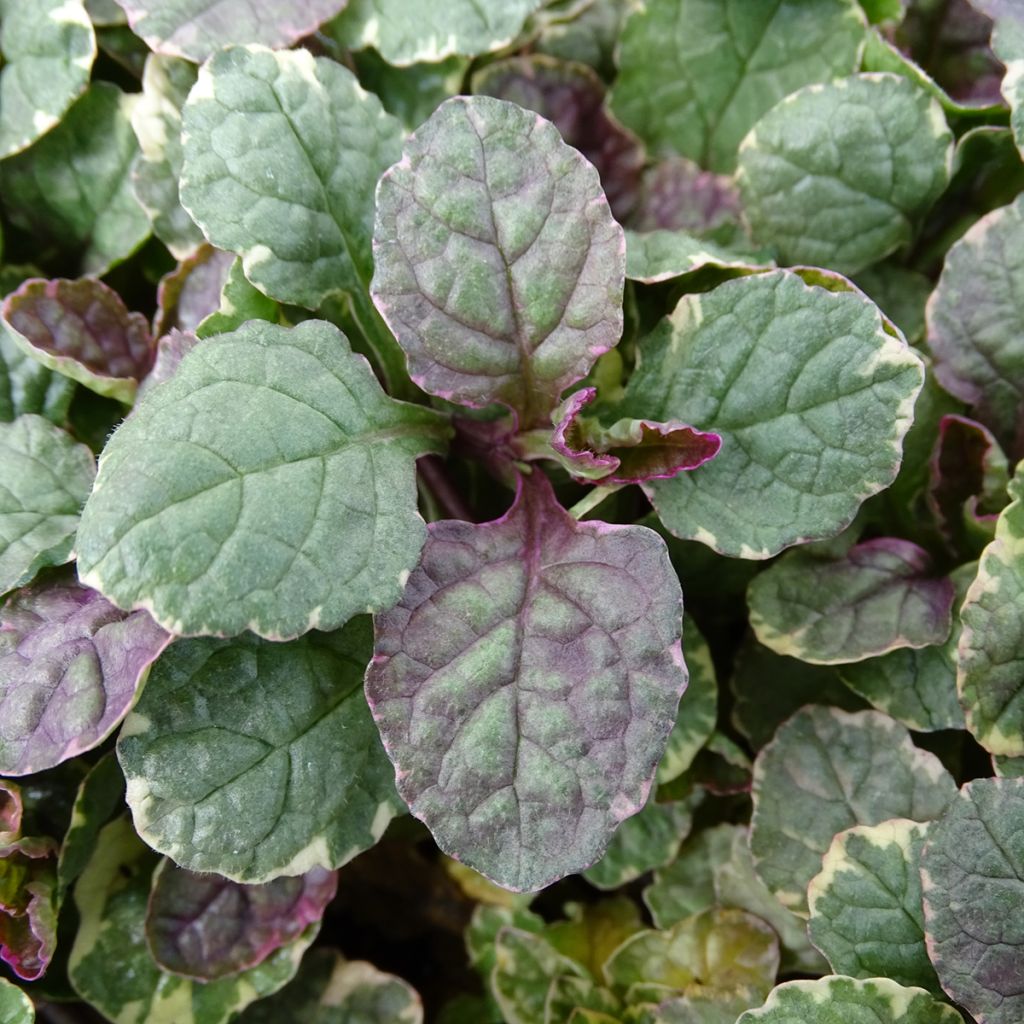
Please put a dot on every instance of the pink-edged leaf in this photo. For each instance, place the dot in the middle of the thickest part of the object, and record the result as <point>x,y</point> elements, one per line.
<point>629,451</point>
<point>968,475</point>
<point>83,330</point>
<point>188,294</point>
<point>11,808</point>
<point>204,927</point>
<point>197,28</point>
<point>28,905</point>
<point>677,195</point>
<point>571,96</point>
<point>499,267</point>
<point>170,350</point>
<point>70,667</point>
<point>526,684</point>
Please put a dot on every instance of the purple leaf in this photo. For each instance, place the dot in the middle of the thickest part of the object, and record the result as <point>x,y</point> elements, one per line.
<point>191,292</point>
<point>83,330</point>
<point>170,350</point>
<point>70,666</point>
<point>526,684</point>
<point>571,96</point>
<point>28,905</point>
<point>11,808</point>
<point>630,451</point>
<point>677,195</point>
<point>203,926</point>
<point>499,267</point>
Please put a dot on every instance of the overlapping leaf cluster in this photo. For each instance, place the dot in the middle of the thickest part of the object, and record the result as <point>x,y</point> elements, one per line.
<point>377,380</point>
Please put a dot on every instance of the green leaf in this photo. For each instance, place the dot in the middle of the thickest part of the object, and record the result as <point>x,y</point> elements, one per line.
<point>412,93</point>
<point>482,932</point>
<point>1008,45</point>
<point>29,387</point>
<point>654,256</point>
<point>838,175</point>
<point>217,523</point>
<point>879,596</point>
<point>826,771</point>
<point>972,871</point>
<point>698,708</point>
<point>991,649</point>
<point>111,968</point>
<point>282,155</point>
<point>976,322</point>
<point>900,293</point>
<point>837,1000</point>
<point>197,28</point>
<point>865,905</point>
<point>74,186</point>
<point>156,120</point>
<point>15,1005</point>
<point>28,903</point>
<point>595,930</point>
<point>45,477</point>
<point>809,392</point>
<point>48,47</point>
<point>648,840</point>
<point>499,266</point>
<point>239,302</point>
<point>406,31</point>
<point>286,771</point>
<point>695,76</point>
<point>83,330</point>
<point>331,990</point>
<point>526,684</point>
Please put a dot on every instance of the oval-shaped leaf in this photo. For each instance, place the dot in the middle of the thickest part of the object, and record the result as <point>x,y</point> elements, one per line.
<point>206,927</point>
<point>196,28</point>
<point>499,266</point>
<point>655,256</point>
<point>48,48</point>
<point>810,394</point>
<point>74,186</point>
<point>845,198</point>
<point>976,323</point>
<point>46,478</point>
<point>865,904</point>
<point>826,771</point>
<point>972,870</point>
<point>990,675</point>
<point>838,1000</point>
<point>282,154</point>
<point>406,31</point>
<point>879,596</point>
<point>111,968</point>
<point>526,684</point>
<point>285,770</point>
<point>218,521</point>
<point>70,666</point>
<point>694,77</point>
<point>83,330</point>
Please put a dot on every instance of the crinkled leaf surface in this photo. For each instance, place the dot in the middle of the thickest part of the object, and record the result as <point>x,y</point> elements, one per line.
<point>526,683</point>
<point>282,154</point>
<point>972,870</point>
<point>826,771</point>
<point>156,119</point>
<point>406,31</point>
<point>654,256</point>
<point>268,486</point>
<point>865,904</point>
<point>498,264</point>
<point>70,666</point>
<point>572,97</point>
<point>694,76</point>
<point>838,1000</point>
<point>28,904</point>
<point>976,323</point>
<point>74,186</point>
<point>837,175</point>
<point>83,330</point>
<point>285,769</point>
<point>331,990</point>
<point>197,28</point>
<point>111,968</point>
<point>483,928</point>
<point>811,397</point>
<point>27,386</point>
<point>991,649</point>
<point>15,1005</point>
<point>881,595</point>
<point>676,195</point>
<point>48,48</point>
<point>45,478</point>
<point>205,927</point>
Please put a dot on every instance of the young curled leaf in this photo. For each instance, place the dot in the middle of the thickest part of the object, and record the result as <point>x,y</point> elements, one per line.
<point>526,683</point>
<point>28,904</point>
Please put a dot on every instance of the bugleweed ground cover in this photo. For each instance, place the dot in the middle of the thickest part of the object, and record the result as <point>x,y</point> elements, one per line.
<point>510,511</point>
